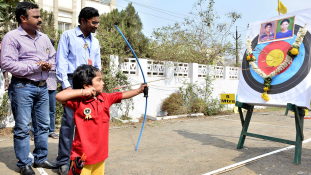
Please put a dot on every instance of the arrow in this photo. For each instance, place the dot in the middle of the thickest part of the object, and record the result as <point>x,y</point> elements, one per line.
<point>138,84</point>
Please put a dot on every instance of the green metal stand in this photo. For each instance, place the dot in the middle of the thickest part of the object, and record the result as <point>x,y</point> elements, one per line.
<point>299,117</point>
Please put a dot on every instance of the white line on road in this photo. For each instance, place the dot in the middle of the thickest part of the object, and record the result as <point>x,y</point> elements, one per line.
<point>41,171</point>
<point>253,159</point>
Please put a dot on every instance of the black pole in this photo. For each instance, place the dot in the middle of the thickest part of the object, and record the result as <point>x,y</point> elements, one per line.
<point>236,38</point>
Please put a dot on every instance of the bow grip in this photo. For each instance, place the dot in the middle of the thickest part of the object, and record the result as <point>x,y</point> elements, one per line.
<point>145,91</point>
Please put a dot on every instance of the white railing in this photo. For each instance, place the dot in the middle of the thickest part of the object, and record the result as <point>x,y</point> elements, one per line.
<point>219,72</point>
<point>202,70</point>
<point>234,73</point>
<point>155,68</point>
<point>129,66</point>
<point>158,68</point>
<point>180,69</point>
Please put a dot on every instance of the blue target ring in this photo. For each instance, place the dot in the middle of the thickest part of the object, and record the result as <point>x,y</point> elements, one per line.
<point>288,79</point>
<point>290,72</point>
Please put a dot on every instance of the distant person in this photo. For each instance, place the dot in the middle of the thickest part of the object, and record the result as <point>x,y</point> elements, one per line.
<point>28,55</point>
<point>284,33</point>
<point>91,116</point>
<point>76,47</point>
<point>5,74</point>
<point>52,86</point>
<point>268,35</point>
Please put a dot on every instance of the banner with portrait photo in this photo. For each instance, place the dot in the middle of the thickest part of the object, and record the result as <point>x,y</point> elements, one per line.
<point>270,50</point>
<point>276,30</point>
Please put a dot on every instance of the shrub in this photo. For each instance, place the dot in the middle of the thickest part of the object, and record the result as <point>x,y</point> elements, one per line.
<point>198,105</point>
<point>213,107</point>
<point>174,104</point>
<point>5,108</point>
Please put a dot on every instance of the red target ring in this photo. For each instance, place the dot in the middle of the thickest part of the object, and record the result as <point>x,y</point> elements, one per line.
<point>280,45</point>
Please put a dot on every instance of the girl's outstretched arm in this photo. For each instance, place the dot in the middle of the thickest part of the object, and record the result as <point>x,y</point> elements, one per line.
<point>132,93</point>
<point>67,94</point>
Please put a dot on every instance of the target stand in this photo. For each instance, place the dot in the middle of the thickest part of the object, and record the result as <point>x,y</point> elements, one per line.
<point>299,118</point>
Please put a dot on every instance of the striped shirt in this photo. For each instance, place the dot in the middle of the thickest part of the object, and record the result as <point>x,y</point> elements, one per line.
<point>51,81</point>
<point>20,53</point>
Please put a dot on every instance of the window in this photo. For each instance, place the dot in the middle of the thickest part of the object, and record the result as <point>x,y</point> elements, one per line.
<point>107,2</point>
<point>63,26</point>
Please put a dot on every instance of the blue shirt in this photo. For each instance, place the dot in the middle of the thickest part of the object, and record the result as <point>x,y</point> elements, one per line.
<point>284,35</point>
<point>71,53</point>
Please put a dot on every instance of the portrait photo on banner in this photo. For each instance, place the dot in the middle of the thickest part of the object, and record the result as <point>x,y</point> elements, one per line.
<point>267,31</point>
<point>285,28</point>
<point>277,30</point>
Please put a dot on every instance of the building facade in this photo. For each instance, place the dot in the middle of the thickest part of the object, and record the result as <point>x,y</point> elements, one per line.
<point>66,12</point>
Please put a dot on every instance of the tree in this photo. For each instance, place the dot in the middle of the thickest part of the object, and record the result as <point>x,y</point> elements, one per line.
<point>130,24</point>
<point>7,16</point>
<point>112,43</point>
<point>203,38</point>
<point>47,22</point>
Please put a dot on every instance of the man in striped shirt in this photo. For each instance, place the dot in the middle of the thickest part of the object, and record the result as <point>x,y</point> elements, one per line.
<point>29,55</point>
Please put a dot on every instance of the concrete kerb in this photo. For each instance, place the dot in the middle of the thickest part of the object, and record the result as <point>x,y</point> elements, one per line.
<point>150,117</point>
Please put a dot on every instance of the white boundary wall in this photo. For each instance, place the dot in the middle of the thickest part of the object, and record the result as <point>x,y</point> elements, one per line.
<point>226,81</point>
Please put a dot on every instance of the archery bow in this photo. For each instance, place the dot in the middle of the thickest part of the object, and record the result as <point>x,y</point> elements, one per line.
<point>145,89</point>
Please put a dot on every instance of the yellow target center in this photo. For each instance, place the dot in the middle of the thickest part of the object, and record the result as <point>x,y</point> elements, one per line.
<point>275,57</point>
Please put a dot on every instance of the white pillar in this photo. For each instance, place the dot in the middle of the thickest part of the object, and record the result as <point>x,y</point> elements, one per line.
<point>210,71</point>
<point>169,69</point>
<point>193,72</point>
<point>226,72</point>
<point>143,64</point>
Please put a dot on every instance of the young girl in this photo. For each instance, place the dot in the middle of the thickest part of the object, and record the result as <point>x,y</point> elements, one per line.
<point>91,116</point>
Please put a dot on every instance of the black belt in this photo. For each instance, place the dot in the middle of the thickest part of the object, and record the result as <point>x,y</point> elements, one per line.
<point>69,75</point>
<point>36,83</point>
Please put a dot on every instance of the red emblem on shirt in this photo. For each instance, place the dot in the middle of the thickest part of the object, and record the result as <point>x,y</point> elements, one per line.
<point>87,113</point>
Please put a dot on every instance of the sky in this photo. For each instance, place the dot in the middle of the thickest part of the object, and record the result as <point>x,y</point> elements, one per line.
<point>176,10</point>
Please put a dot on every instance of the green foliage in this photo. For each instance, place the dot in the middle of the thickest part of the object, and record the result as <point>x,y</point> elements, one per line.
<point>47,26</point>
<point>213,107</point>
<point>193,98</point>
<point>190,92</point>
<point>198,105</point>
<point>174,104</point>
<point>5,108</point>
<point>130,24</point>
<point>7,16</point>
<point>112,43</point>
<point>201,38</point>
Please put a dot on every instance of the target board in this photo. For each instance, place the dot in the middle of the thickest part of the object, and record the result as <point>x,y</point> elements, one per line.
<point>292,84</point>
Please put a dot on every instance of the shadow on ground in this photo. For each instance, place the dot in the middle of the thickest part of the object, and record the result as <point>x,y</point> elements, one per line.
<point>7,154</point>
<point>270,165</point>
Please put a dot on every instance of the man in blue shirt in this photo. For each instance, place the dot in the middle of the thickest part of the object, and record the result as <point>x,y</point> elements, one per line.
<point>284,33</point>
<point>76,47</point>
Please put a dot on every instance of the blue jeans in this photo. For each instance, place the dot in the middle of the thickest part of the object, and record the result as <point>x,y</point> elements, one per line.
<point>52,106</point>
<point>25,97</point>
<point>65,136</point>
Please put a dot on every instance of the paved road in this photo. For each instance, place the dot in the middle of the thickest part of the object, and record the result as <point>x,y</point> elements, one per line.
<point>192,146</point>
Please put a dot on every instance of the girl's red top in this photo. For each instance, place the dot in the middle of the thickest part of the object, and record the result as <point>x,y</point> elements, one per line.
<point>92,126</point>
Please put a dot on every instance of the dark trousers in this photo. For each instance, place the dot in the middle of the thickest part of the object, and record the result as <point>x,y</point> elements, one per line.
<point>65,136</point>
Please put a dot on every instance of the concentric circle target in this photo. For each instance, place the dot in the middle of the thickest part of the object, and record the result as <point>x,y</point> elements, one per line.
<point>273,54</point>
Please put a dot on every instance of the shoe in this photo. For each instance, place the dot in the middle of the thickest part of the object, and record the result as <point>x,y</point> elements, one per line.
<point>27,170</point>
<point>63,170</point>
<point>46,164</point>
<point>53,135</point>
